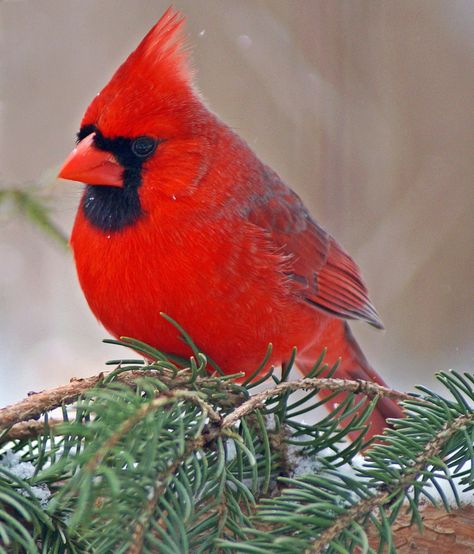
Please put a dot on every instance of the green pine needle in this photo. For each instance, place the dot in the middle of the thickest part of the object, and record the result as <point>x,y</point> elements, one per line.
<point>178,460</point>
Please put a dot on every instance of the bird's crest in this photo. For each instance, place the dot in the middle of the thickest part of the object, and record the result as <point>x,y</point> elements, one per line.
<point>158,69</point>
<point>163,47</point>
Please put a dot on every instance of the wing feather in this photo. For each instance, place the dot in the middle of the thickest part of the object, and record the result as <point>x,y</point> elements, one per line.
<point>322,272</point>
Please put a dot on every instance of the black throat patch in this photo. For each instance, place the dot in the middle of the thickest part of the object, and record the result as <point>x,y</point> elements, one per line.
<point>110,208</point>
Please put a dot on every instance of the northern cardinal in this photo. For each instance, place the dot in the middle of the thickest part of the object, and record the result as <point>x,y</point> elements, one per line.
<point>179,216</point>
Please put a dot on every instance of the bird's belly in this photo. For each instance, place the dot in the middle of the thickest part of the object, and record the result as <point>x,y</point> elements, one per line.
<point>231,306</point>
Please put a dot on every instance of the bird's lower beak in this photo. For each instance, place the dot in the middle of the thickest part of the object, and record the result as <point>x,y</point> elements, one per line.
<point>88,164</point>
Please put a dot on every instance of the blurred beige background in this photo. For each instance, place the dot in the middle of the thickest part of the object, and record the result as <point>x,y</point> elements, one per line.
<point>366,108</point>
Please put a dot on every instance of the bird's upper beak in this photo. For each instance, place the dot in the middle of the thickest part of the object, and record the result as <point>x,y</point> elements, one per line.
<point>89,164</point>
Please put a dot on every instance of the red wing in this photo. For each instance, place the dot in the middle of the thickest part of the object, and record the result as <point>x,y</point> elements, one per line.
<point>324,274</point>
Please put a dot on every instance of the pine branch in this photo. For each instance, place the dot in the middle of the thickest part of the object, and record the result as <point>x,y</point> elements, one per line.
<point>158,490</point>
<point>384,496</point>
<point>38,403</point>
<point>156,458</point>
<point>154,405</point>
<point>331,511</point>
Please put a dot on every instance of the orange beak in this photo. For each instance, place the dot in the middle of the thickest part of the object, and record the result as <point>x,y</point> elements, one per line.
<point>88,164</point>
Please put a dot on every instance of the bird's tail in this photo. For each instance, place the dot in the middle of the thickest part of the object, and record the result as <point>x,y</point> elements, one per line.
<point>353,365</point>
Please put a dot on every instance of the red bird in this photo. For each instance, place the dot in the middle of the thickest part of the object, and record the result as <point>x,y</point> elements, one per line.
<point>179,216</point>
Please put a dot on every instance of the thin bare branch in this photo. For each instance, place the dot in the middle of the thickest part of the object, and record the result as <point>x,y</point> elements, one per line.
<point>38,403</point>
<point>338,385</point>
<point>30,429</point>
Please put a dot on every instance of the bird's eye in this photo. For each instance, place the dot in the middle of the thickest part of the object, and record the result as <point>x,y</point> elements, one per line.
<point>143,147</point>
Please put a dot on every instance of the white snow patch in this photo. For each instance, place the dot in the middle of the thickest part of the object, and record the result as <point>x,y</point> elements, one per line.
<point>25,470</point>
<point>301,463</point>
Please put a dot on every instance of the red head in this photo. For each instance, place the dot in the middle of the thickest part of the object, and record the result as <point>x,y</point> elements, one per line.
<point>146,122</point>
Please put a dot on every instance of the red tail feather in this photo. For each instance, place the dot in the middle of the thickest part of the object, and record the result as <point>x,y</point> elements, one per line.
<point>353,365</point>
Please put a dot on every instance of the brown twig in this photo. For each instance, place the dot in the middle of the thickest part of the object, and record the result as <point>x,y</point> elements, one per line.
<point>36,404</point>
<point>30,429</point>
<point>39,403</point>
<point>337,385</point>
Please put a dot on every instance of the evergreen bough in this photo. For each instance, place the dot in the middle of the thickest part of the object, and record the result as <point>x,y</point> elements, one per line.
<point>153,458</point>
